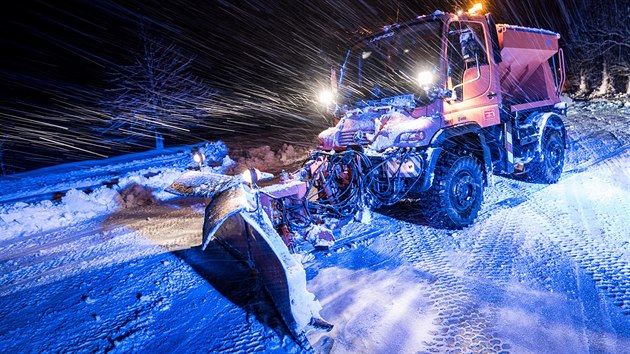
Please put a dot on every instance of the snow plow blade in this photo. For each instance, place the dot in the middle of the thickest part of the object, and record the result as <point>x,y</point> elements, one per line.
<point>235,219</point>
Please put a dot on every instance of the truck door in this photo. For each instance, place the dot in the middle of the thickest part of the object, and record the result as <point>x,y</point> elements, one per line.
<point>470,76</point>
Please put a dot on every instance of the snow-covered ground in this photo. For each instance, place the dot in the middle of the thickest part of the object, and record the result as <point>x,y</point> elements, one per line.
<point>545,269</point>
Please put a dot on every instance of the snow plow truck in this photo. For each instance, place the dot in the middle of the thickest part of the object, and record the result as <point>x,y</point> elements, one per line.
<point>428,110</point>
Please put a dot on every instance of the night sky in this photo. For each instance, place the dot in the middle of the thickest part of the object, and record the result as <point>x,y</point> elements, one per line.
<point>267,59</point>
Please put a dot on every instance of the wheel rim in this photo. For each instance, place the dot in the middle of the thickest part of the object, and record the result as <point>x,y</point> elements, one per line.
<point>463,191</point>
<point>554,154</point>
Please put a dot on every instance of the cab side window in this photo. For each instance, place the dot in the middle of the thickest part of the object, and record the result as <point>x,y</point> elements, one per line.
<point>467,53</point>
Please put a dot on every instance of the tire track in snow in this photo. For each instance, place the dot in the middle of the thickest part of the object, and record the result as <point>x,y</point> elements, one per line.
<point>494,254</point>
<point>564,225</point>
<point>592,242</point>
<point>111,286</point>
<point>492,250</point>
<point>596,242</point>
<point>67,281</point>
<point>47,253</point>
<point>15,248</point>
<point>461,325</point>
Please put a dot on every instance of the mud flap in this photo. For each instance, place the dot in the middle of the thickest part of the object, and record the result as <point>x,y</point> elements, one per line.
<point>235,220</point>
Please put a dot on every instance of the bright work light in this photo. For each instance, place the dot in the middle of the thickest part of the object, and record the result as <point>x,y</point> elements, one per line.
<point>425,79</point>
<point>475,9</point>
<point>326,97</point>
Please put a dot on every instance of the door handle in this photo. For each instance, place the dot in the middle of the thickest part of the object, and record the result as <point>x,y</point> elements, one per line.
<point>492,95</point>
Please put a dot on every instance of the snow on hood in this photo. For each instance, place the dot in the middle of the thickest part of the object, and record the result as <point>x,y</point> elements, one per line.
<point>326,138</point>
<point>391,125</point>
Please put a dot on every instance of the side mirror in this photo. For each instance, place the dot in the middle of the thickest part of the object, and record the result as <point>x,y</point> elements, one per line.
<point>439,93</point>
<point>423,99</point>
<point>431,94</point>
<point>445,94</point>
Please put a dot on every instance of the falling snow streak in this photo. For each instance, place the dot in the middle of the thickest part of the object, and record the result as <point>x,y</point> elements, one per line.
<point>265,59</point>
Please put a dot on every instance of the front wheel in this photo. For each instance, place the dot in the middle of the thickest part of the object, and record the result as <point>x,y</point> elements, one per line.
<point>456,195</point>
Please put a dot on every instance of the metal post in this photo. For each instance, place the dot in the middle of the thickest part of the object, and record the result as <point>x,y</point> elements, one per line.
<point>507,133</point>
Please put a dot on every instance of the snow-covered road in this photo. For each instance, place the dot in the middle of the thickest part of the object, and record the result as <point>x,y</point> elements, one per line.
<point>544,272</point>
<point>133,281</point>
<point>545,269</point>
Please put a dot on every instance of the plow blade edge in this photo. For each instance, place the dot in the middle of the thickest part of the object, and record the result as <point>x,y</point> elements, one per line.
<point>236,221</point>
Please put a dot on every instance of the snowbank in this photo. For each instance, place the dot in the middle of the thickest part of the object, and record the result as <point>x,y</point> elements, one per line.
<point>267,159</point>
<point>90,191</point>
<point>19,219</point>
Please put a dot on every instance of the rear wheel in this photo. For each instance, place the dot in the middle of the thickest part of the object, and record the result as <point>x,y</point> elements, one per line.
<point>549,168</point>
<point>454,199</point>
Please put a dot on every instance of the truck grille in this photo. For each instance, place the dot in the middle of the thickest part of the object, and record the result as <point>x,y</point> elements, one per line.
<point>347,138</point>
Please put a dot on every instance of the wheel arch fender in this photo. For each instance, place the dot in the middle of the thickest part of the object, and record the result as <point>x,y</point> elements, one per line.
<point>470,136</point>
<point>544,121</point>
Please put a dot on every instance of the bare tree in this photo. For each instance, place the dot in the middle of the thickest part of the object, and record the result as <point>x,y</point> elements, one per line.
<point>155,94</point>
<point>601,50</point>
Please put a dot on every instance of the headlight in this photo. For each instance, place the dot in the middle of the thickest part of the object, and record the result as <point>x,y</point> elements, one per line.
<point>251,175</point>
<point>326,97</point>
<point>199,157</point>
<point>425,79</point>
<point>411,137</point>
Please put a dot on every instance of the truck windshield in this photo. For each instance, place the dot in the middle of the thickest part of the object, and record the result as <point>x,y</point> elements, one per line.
<point>392,64</point>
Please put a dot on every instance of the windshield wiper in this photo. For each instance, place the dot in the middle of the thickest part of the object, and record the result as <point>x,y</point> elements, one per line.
<point>342,71</point>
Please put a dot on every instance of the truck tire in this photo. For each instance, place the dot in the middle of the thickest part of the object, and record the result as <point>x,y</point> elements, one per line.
<point>549,169</point>
<point>454,199</point>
